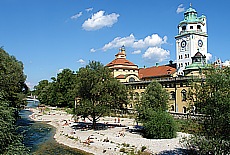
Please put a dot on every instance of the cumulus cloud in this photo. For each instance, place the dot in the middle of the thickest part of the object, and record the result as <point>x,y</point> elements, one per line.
<point>180,9</point>
<point>131,41</point>
<point>119,41</point>
<point>100,20</point>
<point>81,61</point>
<point>226,63</point>
<point>208,56</point>
<point>76,16</point>
<point>89,9</point>
<point>136,52</point>
<point>155,54</point>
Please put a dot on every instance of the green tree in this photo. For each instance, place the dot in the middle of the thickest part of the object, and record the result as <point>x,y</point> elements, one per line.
<point>12,91</point>
<point>98,91</point>
<point>152,112</point>
<point>212,98</point>
<point>66,82</point>
<point>12,79</point>
<point>154,98</point>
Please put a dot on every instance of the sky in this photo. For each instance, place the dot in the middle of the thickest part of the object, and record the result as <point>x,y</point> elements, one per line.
<point>51,35</point>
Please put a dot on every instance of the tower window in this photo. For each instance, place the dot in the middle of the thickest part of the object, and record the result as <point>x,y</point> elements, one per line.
<point>184,28</point>
<point>191,27</point>
<point>198,27</point>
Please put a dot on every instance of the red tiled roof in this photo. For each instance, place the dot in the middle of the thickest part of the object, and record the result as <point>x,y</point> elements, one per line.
<point>120,76</point>
<point>156,71</point>
<point>120,61</point>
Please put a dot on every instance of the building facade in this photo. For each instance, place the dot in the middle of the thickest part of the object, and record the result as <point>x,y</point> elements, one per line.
<point>176,78</point>
<point>191,38</point>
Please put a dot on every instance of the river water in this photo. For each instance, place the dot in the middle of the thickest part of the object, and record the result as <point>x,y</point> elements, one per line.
<point>38,136</point>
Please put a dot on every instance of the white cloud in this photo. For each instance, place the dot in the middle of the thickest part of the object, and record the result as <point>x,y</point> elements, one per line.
<point>131,41</point>
<point>81,61</point>
<point>89,9</point>
<point>30,85</point>
<point>226,63</point>
<point>208,56</point>
<point>92,50</point>
<point>155,54</point>
<point>118,42</point>
<point>99,20</point>
<point>136,52</point>
<point>76,16</point>
<point>180,9</point>
<point>60,70</point>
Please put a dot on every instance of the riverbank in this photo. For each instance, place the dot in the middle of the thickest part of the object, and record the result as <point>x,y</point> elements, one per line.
<point>112,141</point>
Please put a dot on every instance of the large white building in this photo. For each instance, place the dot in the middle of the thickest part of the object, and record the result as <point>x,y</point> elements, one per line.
<point>192,38</point>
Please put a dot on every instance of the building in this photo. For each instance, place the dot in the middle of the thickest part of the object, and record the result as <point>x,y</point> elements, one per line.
<point>191,51</point>
<point>192,36</point>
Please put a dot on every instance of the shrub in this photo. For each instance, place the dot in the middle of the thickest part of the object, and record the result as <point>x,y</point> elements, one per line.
<point>161,125</point>
<point>201,145</point>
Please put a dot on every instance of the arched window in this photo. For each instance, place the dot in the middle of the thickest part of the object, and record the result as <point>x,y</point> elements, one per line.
<point>131,79</point>
<point>184,95</point>
<point>172,108</point>
<point>184,110</point>
<point>173,95</point>
<point>183,28</point>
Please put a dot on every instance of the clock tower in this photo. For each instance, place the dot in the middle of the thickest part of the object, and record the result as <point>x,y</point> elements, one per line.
<point>192,37</point>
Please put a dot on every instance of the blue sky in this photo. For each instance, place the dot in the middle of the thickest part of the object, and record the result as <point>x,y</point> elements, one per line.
<point>50,35</point>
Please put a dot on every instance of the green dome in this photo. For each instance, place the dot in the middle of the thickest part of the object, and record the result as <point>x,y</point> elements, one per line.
<point>190,10</point>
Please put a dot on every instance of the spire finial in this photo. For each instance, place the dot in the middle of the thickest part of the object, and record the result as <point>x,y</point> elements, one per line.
<point>190,5</point>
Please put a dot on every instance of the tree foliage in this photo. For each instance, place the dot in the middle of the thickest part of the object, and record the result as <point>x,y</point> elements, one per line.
<point>60,91</point>
<point>12,91</point>
<point>152,113</point>
<point>12,79</point>
<point>98,92</point>
<point>212,98</point>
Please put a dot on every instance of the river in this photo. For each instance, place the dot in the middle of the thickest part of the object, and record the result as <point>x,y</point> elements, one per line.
<point>38,136</point>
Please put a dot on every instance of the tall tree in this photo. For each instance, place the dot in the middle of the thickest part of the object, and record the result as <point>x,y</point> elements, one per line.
<point>12,91</point>
<point>212,98</point>
<point>153,114</point>
<point>154,98</point>
<point>98,91</point>
<point>12,79</point>
<point>66,81</point>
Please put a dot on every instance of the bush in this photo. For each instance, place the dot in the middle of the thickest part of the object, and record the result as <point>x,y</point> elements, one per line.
<point>160,125</point>
<point>201,145</point>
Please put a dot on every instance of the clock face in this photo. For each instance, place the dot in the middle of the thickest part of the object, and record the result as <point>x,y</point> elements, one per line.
<point>183,44</point>
<point>200,43</point>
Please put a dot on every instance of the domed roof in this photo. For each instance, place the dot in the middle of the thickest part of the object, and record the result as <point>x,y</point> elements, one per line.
<point>190,9</point>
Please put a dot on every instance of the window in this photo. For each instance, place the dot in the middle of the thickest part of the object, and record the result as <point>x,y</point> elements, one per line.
<point>123,69</point>
<point>198,27</point>
<point>184,28</point>
<point>183,95</point>
<point>181,84</point>
<point>172,108</point>
<point>117,69</point>
<point>131,79</point>
<point>184,110</point>
<point>172,95</point>
<point>191,27</point>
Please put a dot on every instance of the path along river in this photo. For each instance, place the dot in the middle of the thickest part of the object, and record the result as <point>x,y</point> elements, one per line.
<point>38,136</point>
